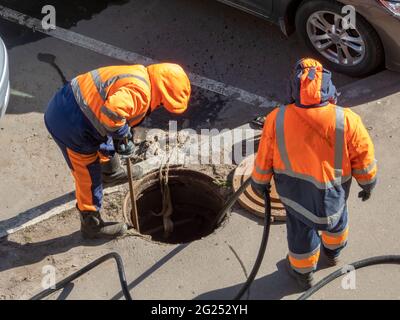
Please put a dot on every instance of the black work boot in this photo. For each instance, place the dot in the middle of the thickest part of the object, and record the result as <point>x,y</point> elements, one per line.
<point>93,226</point>
<point>330,258</point>
<point>305,281</point>
<point>112,173</point>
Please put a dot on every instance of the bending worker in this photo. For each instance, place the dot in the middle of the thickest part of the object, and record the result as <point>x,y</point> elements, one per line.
<point>90,120</point>
<point>313,148</point>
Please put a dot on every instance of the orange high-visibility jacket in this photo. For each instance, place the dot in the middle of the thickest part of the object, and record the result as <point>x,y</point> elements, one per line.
<point>313,152</point>
<point>114,96</point>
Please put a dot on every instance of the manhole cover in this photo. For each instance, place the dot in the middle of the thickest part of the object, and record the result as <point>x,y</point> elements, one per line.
<point>249,199</point>
<point>196,202</point>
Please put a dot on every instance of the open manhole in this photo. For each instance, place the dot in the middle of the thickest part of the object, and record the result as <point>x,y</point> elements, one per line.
<point>196,201</point>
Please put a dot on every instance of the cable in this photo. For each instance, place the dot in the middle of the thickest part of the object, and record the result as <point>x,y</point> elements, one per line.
<point>72,277</point>
<point>388,259</point>
<point>228,205</point>
<point>261,251</point>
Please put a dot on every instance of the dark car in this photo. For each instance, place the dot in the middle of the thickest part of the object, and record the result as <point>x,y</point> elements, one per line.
<point>356,47</point>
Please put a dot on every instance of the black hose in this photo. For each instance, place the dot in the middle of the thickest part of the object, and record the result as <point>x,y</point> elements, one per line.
<point>389,259</point>
<point>228,205</point>
<point>261,251</point>
<point>72,277</point>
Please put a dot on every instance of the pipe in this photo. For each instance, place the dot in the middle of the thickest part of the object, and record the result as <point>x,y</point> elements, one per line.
<point>388,259</point>
<point>134,213</point>
<point>92,265</point>
<point>229,204</point>
<point>261,251</point>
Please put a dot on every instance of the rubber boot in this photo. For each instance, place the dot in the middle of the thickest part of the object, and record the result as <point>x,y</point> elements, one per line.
<point>112,173</point>
<point>330,258</point>
<point>305,281</point>
<point>93,226</point>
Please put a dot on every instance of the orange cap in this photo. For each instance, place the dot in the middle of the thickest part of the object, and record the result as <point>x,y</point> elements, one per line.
<point>170,87</point>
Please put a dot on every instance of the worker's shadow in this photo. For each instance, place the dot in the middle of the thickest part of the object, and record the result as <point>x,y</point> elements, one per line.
<point>14,254</point>
<point>274,286</point>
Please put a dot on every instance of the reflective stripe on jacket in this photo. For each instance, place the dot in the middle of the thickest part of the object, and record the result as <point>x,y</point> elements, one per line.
<point>313,153</point>
<point>113,97</point>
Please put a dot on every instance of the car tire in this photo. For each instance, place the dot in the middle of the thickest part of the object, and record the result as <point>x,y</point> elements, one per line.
<point>372,57</point>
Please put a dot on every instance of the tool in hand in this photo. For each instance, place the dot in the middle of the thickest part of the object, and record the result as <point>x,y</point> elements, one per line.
<point>134,213</point>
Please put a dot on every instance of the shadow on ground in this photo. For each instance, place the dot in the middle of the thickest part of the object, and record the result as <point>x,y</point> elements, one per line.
<point>274,286</point>
<point>69,13</point>
<point>14,254</point>
<point>151,270</point>
<point>376,87</point>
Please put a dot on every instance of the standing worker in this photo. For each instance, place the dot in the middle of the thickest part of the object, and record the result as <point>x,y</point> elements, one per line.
<point>90,119</point>
<point>313,148</point>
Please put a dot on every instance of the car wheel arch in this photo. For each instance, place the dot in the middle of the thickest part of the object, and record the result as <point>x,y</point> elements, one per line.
<point>290,9</point>
<point>375,52</point>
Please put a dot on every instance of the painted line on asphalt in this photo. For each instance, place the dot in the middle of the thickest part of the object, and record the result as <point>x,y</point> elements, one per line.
<point>131,57</point>
<point>21,94</point>
<point>43,212</point>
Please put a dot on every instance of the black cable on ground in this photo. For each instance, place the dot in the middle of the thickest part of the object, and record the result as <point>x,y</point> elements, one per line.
<point>261,251</point>
<point>389,259</point>
<point>74,276</point>
<point>229,204</point>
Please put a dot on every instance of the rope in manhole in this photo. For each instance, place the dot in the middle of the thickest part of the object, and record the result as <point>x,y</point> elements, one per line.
<point>167,208</point>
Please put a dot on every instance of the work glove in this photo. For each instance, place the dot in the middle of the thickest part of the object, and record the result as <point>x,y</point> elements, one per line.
<point>364,195</point>
<point>107,148</point>
<point>125,146</point>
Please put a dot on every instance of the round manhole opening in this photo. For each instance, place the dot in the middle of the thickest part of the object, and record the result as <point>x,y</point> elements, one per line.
<point>195,198</point>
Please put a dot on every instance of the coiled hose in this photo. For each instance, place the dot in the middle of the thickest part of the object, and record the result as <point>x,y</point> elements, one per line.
<point>388,259</point>
<point>92,265</point>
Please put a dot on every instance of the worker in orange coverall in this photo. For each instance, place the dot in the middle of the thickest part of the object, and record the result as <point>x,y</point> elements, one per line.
<point>90,120</point>
<point>313,148</point>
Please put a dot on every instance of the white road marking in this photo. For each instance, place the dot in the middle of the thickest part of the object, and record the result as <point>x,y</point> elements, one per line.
<point>131,57</point>
<point>21,94</point>
<point>35,215</point>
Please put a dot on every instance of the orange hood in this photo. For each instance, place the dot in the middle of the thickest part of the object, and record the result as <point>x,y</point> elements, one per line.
<point>170,87</point>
